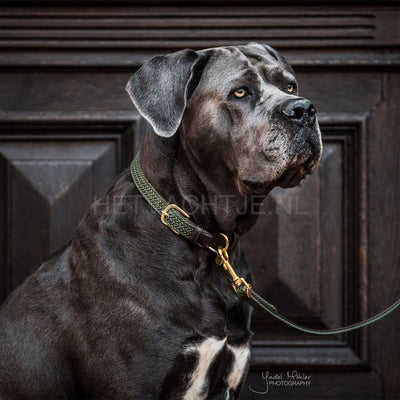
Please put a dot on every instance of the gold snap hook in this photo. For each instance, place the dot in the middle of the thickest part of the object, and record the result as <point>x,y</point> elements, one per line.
<point>222,259</point>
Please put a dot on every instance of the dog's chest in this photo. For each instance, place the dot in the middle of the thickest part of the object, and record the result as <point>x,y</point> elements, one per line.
<point>219,369</point>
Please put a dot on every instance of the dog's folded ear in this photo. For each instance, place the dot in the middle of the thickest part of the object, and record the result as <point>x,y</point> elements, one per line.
<point>161,87</point>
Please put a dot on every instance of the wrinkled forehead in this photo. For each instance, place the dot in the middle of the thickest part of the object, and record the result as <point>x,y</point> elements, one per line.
<point>254,63</point>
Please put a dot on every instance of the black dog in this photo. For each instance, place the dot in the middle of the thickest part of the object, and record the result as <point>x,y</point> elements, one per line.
<point>129,310</point>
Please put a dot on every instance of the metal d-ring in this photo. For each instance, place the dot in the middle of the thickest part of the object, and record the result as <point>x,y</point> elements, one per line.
<point>225,249</point>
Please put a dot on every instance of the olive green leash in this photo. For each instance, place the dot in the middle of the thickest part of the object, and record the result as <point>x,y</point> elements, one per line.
<point>179,222</point>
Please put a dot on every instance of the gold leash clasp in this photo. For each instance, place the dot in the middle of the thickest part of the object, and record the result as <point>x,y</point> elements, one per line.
<point>222,259</point>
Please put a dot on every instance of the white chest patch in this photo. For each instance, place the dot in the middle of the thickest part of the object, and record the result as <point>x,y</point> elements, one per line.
<point>242,355</point>
<point>206,352</point>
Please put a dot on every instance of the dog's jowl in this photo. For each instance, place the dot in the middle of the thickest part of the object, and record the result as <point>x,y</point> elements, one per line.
<point>131,310</point>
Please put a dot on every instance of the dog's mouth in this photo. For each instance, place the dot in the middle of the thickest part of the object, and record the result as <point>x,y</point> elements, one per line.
<point>257,187</point>
<point>290,178</point>
<point>293,176</point>
<point>303,163</point>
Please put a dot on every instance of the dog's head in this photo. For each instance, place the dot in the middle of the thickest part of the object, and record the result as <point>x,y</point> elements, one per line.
<point>237,106</point>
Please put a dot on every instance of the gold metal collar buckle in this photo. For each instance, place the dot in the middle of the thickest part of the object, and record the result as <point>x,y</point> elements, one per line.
<point>164,214</point>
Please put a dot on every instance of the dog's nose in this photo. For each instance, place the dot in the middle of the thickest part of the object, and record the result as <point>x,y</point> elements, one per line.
<point>300,111</point>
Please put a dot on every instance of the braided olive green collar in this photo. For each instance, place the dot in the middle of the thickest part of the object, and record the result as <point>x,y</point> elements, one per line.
<point>171,215</point>
<point>179,222</point>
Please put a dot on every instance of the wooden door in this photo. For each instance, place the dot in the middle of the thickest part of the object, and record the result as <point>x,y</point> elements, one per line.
<point>325,253</point>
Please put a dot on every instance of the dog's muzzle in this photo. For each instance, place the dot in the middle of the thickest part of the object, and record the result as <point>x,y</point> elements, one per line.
<point>300,116</point>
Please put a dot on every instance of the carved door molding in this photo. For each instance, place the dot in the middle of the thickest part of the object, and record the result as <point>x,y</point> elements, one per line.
<point>53,167</point>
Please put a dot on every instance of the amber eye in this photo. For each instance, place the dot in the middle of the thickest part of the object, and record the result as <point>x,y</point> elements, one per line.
<point>290,87</point>
<point>239,93</point>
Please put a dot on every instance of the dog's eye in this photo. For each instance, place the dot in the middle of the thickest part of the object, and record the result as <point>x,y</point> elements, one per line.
<point>290,87</point>
<point>239,93</point>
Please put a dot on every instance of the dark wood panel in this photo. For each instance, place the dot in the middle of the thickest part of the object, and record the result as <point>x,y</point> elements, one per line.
<point>37,191</point>
<point>126,59</point>
<point>50,176</point>
<point>64,91</point>
<point>341,91</point>
<point>126,36</point>
<point>384,232</point>
<point>179,27</point>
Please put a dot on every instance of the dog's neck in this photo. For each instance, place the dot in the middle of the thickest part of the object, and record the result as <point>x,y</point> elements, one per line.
<point>178,176</point>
